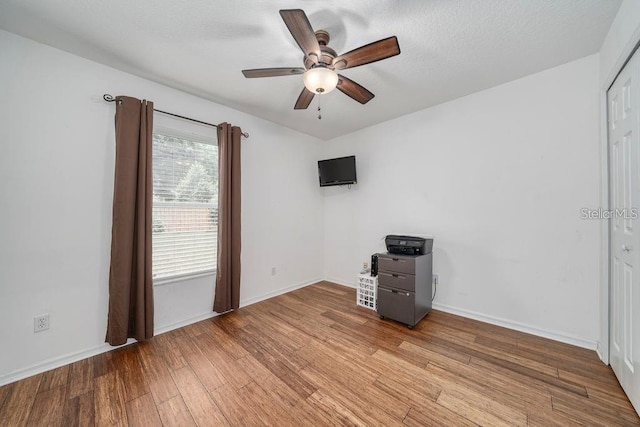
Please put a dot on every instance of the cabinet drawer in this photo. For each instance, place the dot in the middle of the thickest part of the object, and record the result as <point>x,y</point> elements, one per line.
<point>390,263</point>
<point>396,304</point>
<point>397,280</point>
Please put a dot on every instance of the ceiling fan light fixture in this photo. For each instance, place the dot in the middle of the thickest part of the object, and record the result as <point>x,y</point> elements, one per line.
<point>320,80</point>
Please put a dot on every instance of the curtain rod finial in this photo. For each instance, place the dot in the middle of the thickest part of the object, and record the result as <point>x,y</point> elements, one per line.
<point>110,98</point>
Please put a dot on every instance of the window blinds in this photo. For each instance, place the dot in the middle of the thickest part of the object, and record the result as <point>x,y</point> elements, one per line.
<point>185,206</point>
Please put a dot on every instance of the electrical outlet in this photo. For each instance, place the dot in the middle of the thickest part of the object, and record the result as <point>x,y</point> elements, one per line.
<point>41,323</point>
<point>273,271</point>
<point>436,279</point>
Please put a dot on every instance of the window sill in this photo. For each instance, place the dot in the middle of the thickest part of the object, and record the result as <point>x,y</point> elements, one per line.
<point>182,278</point>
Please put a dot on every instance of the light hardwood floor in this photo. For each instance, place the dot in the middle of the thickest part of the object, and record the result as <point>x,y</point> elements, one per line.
<point>312,357</point>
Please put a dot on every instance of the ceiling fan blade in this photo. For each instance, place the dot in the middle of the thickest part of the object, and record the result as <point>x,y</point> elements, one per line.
<point>376,51</point>
<point>304,99</point>
<point>354,90</point>
<point>272,72</point>
<point>298,24</point>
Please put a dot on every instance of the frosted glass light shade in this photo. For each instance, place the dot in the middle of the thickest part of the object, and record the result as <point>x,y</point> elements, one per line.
<point>320,80</point>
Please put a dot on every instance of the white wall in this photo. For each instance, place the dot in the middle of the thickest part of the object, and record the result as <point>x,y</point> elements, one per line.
<point>56,183</point>
<point>622,38</point>
<point>499,177</point>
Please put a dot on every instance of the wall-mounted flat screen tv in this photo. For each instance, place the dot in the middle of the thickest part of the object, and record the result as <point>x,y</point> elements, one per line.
<point>340,171</point>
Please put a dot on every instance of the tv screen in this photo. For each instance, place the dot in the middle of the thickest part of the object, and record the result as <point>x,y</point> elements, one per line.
<point>340,171</point>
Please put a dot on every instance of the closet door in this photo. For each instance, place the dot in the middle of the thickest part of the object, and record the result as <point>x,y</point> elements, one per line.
<point>623,101</point>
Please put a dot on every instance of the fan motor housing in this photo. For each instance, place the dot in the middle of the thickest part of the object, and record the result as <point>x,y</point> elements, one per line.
<point>327,54</point>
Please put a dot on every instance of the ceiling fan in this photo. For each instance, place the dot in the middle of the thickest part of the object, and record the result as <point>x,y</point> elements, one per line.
<point>321,62</point>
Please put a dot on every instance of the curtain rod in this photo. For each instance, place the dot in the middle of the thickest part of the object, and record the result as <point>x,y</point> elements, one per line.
<point>110,98</point>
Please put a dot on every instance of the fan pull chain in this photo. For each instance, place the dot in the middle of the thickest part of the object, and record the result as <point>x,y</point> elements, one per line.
<point>319,109</point>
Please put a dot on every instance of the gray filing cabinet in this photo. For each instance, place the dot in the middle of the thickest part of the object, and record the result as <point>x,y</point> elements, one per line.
<point>404,287</point>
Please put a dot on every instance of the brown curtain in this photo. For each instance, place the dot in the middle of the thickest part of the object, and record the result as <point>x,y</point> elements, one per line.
<point>227,292</point>
<point>130,281</point>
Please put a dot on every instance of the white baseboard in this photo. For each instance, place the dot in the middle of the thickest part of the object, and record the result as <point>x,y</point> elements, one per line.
<point>103,348</point>
<point>600,355</point>
<point>56,362</point>
<point>180,324</point>
<point>244,303</point>
<point>350,284</point>
<point>554,335</point>
<point>277,292</point>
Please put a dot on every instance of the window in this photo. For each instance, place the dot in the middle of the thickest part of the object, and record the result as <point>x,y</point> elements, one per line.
<point>185,203</point>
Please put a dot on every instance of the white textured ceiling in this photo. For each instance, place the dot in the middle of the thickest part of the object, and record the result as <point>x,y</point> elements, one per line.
<point>449,48</point>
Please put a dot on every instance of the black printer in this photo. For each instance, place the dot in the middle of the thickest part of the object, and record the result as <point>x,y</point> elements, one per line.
<point>408,245</point>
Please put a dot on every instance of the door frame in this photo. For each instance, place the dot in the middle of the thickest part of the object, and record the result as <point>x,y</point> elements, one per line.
<point>605,198</point>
